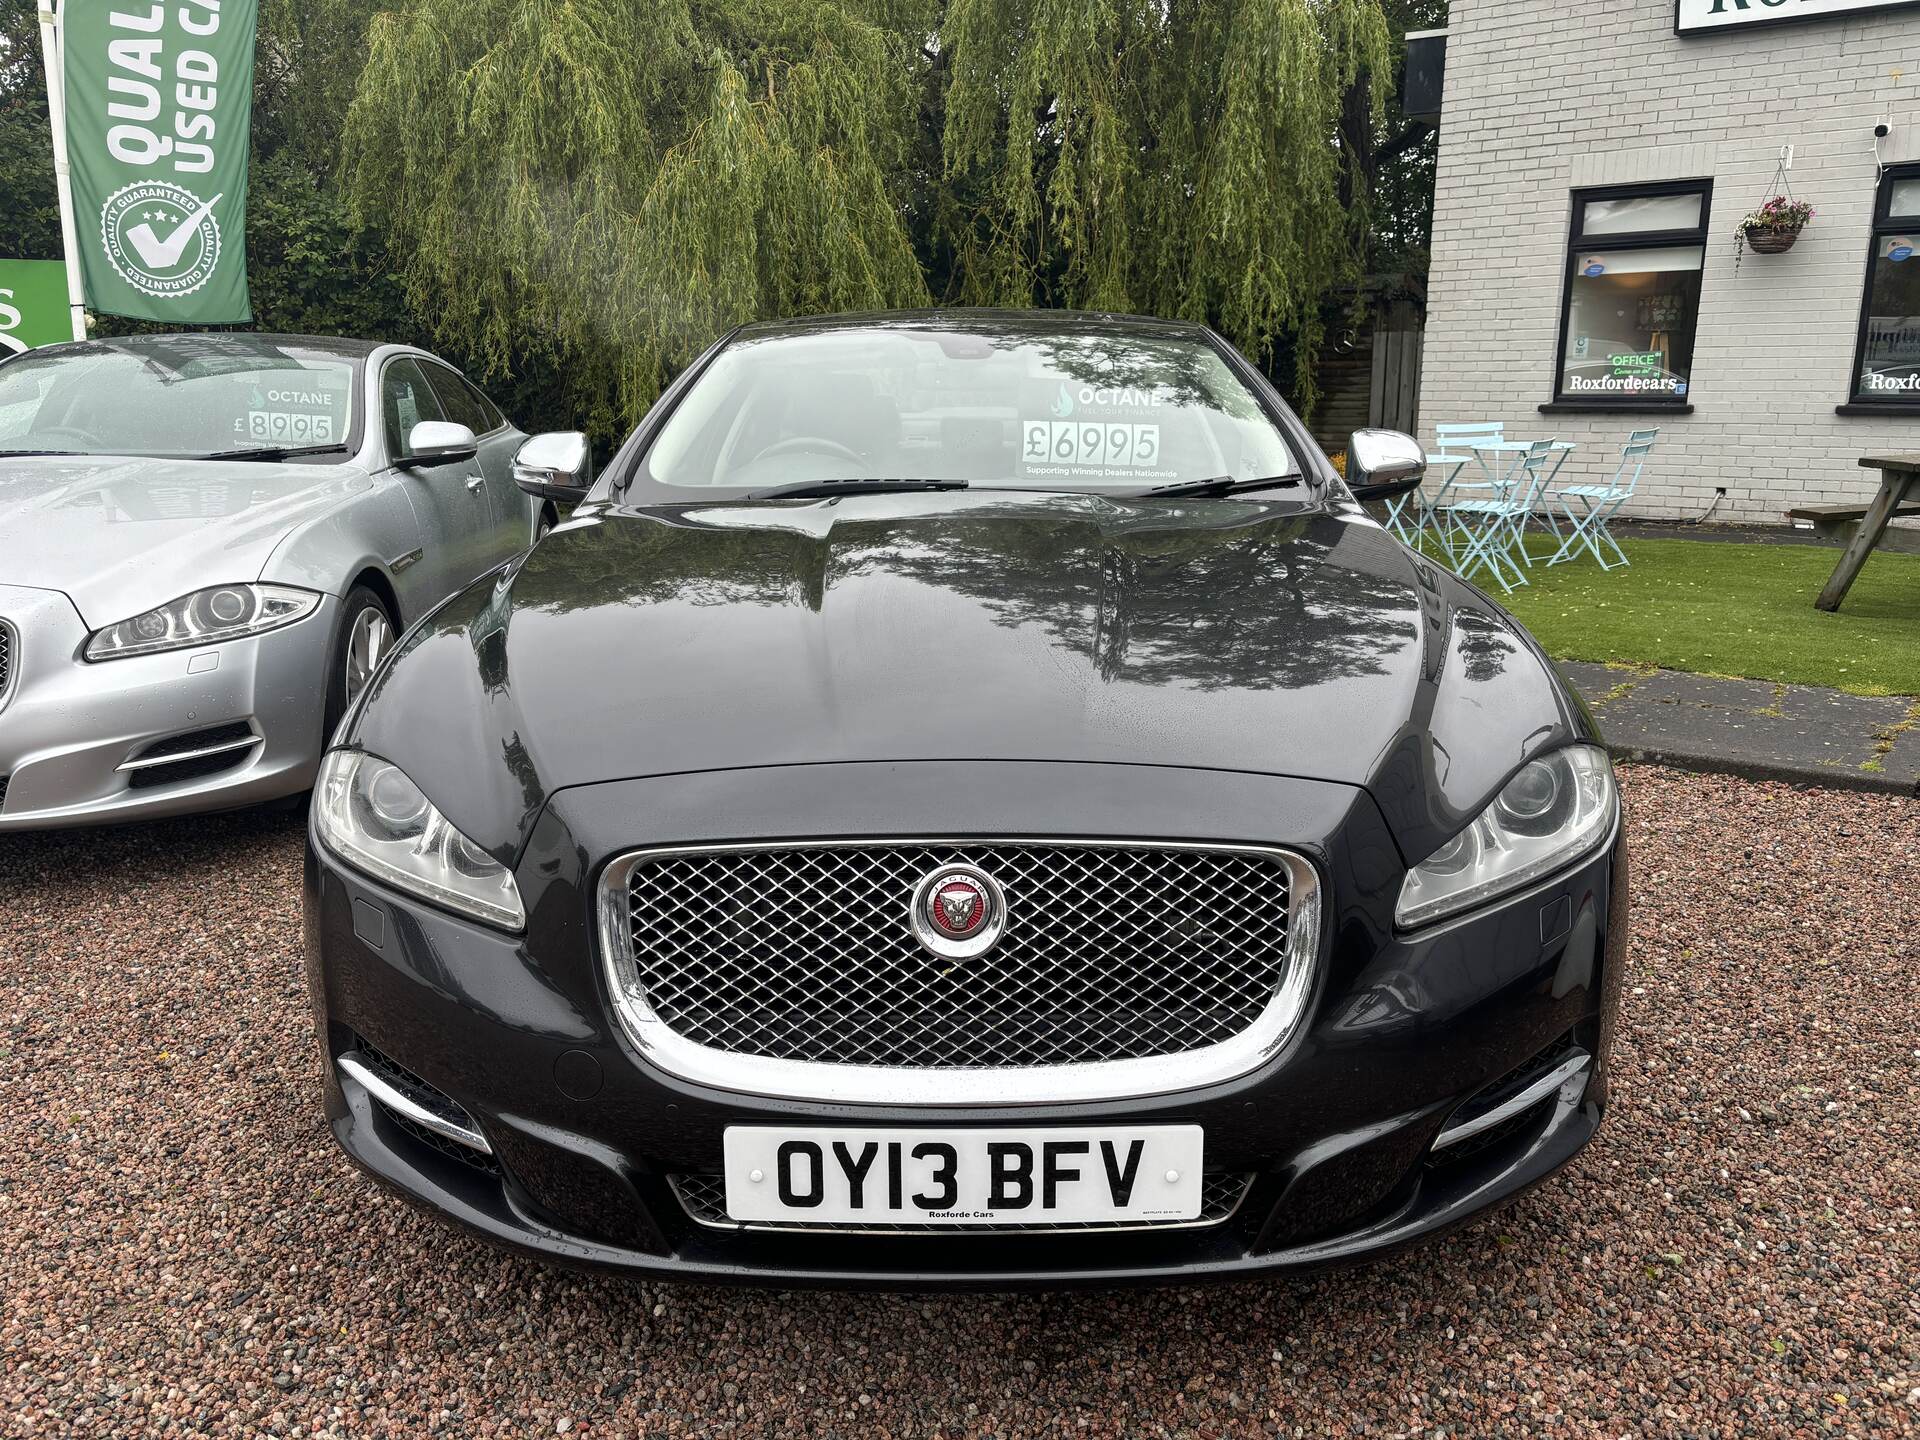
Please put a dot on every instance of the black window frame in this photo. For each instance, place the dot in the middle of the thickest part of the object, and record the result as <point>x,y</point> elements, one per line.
<point>396,445</point>
<point>1579,243</point>
<point>1884,224</point>
<point>440,374</point>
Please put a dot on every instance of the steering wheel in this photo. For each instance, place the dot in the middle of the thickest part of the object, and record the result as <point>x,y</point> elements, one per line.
<point>808,445</point>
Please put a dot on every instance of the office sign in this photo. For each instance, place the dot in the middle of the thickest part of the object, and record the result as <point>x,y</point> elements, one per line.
<point>158,102</point>
<point>1709,17</point>
<point>33,305</point>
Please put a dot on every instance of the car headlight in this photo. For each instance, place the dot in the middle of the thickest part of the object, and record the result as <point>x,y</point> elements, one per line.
<point>1558,808</point>
<point>206,617</point>
<point>373,817</point>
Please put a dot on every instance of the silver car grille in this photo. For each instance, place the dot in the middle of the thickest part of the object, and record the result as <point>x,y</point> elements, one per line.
<point>1114,955</point>
<point>704,1198</point>
<point>9,648</point>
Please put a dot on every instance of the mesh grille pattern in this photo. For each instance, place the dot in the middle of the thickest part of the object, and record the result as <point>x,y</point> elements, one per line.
<point>6,657</point>
<point>705,1199</point>
<point>1110,953</point>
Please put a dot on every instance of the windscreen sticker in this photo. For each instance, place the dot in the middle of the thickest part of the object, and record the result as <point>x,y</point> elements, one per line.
<point>285,414</point>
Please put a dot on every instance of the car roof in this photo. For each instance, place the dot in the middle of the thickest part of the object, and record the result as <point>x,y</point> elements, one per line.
<point>1013,324</point>
<point>193,344</point>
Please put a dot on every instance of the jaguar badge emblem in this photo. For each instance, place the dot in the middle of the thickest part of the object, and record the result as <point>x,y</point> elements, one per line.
<point>959,912</point>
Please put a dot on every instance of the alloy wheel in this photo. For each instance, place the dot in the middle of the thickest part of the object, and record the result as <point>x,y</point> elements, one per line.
<point>367,645</point>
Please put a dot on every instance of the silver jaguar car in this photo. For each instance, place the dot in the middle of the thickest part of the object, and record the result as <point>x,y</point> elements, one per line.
<point>207,543</point>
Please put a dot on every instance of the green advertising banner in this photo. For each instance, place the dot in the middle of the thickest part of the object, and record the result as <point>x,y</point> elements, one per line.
<point>33,305</point>
<point>158,102</point>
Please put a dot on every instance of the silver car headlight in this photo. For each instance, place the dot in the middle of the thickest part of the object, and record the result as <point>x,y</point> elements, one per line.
<point>206,617</point>
<point>373,817</point>
<point>1557,809</point>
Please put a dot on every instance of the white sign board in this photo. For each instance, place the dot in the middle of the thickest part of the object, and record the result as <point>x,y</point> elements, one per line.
<point>1699,17</point>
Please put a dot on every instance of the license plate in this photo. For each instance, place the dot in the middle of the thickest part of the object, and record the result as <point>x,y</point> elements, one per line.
<point>964,1177</point>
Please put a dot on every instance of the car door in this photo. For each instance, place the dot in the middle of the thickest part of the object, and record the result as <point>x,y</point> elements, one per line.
<point>449,499</point>
<point>513,508</point>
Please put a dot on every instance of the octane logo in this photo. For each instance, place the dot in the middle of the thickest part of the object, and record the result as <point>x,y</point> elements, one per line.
<point>959,912</point>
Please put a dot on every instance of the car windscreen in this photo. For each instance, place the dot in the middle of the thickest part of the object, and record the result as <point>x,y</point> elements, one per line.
<point>1103,411</point>
<point>174,403</point>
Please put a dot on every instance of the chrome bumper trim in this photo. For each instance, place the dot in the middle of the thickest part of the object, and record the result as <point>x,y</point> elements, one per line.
<point>900,1085</point>
<point>1574,1067</point>
<point>401,1103</point>
<point>155,761</point>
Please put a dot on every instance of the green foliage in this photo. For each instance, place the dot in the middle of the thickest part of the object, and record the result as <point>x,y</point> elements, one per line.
<point>618,183</point>
<point>1172,159</point>
<point>29,212</point>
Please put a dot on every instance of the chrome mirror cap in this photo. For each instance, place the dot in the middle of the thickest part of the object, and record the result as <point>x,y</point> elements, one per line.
<point>1384,464</point>
<point>555,466</point>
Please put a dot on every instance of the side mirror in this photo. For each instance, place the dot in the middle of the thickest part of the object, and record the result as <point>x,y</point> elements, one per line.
<point>556,466</point>
<point>1384,464</point>
<point>439,442</point>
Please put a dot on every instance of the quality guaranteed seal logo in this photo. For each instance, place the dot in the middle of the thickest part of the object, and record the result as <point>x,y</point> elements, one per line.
<point>162,239</point>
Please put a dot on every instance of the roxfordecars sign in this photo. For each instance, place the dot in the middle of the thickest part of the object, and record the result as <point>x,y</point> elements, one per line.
<point>1699,17</point>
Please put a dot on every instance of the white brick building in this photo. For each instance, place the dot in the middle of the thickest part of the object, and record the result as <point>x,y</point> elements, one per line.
<point>1543,101</point>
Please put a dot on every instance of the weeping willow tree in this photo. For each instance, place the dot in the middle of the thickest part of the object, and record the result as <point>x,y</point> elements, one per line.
<point>618,181</point>
<point>1173,158</point>
<point>615,182</point>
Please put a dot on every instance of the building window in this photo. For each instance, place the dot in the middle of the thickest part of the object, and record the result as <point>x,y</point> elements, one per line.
<point>1632,296</point>
<point>1887,367</point>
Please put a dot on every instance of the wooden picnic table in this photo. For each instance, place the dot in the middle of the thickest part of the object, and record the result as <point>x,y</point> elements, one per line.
<point>1899,478</point>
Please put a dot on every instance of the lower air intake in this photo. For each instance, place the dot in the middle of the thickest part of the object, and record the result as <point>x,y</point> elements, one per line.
<point>704,1198</point>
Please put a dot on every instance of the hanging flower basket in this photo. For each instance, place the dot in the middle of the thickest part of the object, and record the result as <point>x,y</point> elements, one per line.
<point>1776,225</point>
<point>1771,239</point>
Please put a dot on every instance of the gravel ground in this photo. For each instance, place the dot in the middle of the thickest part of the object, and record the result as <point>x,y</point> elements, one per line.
<point>182,1252</point>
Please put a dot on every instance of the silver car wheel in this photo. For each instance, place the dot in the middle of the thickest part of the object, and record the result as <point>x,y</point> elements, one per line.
<point>367,645</point>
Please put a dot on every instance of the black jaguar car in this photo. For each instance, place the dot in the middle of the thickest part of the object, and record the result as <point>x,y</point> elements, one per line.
<point>968,799</point>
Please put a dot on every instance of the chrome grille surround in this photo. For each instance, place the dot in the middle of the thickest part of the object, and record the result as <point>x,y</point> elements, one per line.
<point>704,1198</point>
<point>1210,1001</point>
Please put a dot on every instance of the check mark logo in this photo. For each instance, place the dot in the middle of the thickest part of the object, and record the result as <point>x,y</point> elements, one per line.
<point>158,254</point>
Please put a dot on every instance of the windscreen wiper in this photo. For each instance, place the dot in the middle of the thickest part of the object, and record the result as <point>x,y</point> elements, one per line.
<point>15,454</point>
<point>1224,485</point>
<point>273,452</point>
<point>817,489</point>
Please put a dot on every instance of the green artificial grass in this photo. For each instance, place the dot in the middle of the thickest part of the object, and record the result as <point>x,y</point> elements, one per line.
<point>1725,609</point>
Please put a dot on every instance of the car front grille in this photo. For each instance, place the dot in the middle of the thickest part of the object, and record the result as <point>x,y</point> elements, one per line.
<point>1111,952</point>
<point>9,647</point>
<point>704,1198</point>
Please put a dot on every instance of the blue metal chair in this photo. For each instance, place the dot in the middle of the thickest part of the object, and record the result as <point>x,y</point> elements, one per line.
<point>1598,504</point>
<point>1561,450</point>
<point>1485,533</point>
<point>1455,453</point>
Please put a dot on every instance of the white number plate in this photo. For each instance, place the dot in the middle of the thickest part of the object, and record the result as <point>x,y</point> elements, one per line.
<point>964,1177</point>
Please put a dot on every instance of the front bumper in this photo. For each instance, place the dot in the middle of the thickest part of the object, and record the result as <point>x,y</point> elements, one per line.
<point>69,728</point>
<point>588,1140</point>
